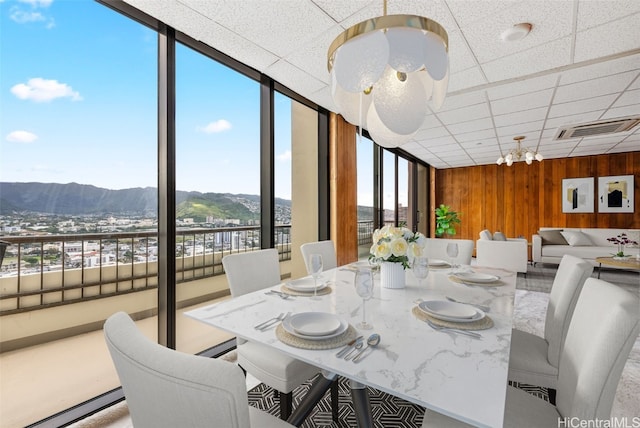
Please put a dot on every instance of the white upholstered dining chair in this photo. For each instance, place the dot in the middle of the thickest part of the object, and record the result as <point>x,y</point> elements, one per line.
<point>436,248</point>
<point>535,360</point>
<point>167,388</point>
<point>252,271</point>
<point>604,327</point>
<point>325,248</point>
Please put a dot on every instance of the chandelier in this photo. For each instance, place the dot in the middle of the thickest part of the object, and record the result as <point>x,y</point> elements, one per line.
<point>518,153</point>
<point>383,72</point>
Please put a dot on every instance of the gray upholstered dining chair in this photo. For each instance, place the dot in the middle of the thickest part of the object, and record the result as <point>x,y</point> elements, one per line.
<point>325,248</point>
<point>252,271</point>
<point>604,327</point>
<point>167,388</point>
<point>535,360</point>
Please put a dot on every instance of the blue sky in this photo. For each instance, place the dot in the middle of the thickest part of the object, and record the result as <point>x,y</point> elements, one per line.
<point>78,104</point>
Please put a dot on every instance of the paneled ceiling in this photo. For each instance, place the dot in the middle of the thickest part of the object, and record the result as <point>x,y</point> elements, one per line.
<point>580,63</point>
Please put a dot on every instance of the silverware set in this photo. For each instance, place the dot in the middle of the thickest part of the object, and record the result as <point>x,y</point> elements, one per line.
<point>280,294</point>
<point>354,350</point>
<point>271,322</point>
<point>454,330</point>
<point>481,307</point>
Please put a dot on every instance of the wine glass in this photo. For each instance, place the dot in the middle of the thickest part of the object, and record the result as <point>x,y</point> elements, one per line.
<point>452,252</point>
<point>315,270</point>
<point>364,288</point>
<point>420,268</point>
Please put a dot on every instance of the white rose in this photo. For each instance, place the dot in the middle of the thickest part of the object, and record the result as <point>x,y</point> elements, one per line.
<point>381,250</point>
<point>399,247</point>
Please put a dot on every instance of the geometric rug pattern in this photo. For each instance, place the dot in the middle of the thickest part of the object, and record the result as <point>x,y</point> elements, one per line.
<point>387,410</point>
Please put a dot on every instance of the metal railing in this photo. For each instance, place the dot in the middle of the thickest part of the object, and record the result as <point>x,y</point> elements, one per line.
<point>51,270</point>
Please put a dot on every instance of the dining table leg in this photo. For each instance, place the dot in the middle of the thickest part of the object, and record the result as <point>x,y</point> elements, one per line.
<point>316,391</point>
<point>361,404</point>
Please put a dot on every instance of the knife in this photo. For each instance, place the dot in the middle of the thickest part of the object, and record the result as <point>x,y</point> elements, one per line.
<point>348,346</point>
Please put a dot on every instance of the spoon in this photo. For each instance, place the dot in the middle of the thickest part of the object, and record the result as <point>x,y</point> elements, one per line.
<point>372,342</point>
<point>355,349</point>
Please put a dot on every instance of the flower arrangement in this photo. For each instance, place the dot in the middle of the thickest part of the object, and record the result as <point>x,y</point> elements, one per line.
<point>621,240</point>
<point>396,245</point>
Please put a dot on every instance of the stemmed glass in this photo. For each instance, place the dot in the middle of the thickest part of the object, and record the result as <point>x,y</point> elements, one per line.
<point>315,270</point>
<point>420,268</point>
<point>364,288</point>
<point>452,252</point>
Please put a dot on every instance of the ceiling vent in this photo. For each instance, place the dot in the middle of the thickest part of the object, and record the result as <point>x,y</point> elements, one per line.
<point>602,127</point>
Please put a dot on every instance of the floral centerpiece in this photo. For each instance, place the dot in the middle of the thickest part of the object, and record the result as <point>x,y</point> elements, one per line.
<point>621,240</point>
<point>394,248</point>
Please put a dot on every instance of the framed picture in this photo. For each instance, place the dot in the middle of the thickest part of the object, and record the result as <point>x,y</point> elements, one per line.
<point>577,195</point>
<point>615,194</point>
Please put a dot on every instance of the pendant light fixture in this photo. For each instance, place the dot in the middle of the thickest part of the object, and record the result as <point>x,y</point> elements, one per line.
<point>384,71</point>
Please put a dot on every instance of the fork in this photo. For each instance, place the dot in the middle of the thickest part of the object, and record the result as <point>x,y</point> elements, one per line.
<point>269,322</point>
<point>454,330</point>
<point>481,307</point>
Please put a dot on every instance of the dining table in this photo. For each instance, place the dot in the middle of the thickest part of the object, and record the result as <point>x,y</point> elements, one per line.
<point>444,370</point>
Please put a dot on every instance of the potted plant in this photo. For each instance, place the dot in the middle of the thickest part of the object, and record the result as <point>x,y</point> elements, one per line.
<point>621,240</point>
<point>446,220</point>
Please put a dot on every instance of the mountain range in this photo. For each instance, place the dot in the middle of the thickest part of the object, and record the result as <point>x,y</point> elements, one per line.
<point>83,199</point>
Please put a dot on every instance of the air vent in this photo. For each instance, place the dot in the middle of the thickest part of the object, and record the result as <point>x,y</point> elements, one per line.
<point>602,127</point>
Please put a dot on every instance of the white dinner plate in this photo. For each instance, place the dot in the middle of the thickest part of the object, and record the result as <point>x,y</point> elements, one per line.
<point>438,262</point>
<point>361,265</point>
<point>286,324</point>
<point>476,277</point>
<point>314,323</point>
<point>451,311</point>
<point>305,284</point>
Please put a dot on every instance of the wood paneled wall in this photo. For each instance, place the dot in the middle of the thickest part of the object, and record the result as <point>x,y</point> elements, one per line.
<point>520,199</point>
<point>343,189</point>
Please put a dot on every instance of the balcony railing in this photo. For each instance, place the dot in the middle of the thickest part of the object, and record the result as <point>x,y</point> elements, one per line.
<point>52,270</point>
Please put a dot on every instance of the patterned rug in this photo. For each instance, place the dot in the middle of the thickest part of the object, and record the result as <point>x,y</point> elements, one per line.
<point>387,410</point>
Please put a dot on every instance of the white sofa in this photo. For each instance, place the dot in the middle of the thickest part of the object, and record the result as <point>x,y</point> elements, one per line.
<point>596,245</point>
<point>504,253</point>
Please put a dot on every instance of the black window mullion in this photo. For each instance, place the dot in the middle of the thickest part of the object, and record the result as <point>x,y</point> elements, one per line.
<point>267,156</point>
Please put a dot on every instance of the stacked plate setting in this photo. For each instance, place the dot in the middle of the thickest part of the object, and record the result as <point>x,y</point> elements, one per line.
<point>451,311</point>
<point>438,263</point>
<point>315,325</point>
<point>479,278</point>
<point>305,285</point>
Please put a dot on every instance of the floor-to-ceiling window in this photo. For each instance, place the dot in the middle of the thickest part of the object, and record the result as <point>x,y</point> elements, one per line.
<point>78,97</point>
<point>388,187</point>
<point>403,192</point>
<point>217,181</point>
<point>365,193</point>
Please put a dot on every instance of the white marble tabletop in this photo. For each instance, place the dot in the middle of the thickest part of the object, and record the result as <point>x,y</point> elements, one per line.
<point>456,375</point>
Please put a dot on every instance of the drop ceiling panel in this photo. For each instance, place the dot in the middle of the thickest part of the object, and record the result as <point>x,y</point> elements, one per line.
<point>622,112</point>
<point>520,103</point>
<point>629,98</point>
<point>582,106</point>
<point>476,135</point>
<point>477,111</point>
<point>612,38</point>
<point>557,122</point>
<point>522,87</point>
<point>593,88</point>
<point>592,14</point>
<point>471,126</point>
<point>509,119</point>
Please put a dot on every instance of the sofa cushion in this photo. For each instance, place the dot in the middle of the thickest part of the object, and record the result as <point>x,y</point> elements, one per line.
<point>486,235</point>
<point>576,238</point>
<point>552,237</point>
<point>499,236</point>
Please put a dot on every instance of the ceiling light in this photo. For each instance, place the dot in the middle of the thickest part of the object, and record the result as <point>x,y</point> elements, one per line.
<point>518,153</point>
<point>383,72</point>
<point>517,32</point>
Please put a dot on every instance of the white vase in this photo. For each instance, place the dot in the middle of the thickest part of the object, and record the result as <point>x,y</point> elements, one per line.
<point>392,275</point>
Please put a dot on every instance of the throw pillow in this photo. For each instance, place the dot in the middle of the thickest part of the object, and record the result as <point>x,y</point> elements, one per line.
<point>552,237</point>
<point>499,236</point>
<point>576,238</point>
<point>485,234</point>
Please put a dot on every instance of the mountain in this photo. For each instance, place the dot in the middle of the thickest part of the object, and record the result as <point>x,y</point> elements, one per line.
<point>83,199</point>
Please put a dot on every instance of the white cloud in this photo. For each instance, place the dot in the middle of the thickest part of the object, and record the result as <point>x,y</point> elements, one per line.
<point>22,16</point>
<point>21,137</point>
<point>217,126</point>
<point>43,90</point>
<point>284,157</point>
<point>38,3</point>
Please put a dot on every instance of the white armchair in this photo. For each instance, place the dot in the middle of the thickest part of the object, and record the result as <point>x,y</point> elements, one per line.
<point>436,248</point>
<point>510,254</point>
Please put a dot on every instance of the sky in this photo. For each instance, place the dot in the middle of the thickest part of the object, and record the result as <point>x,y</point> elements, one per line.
<point>78,103</point>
